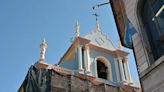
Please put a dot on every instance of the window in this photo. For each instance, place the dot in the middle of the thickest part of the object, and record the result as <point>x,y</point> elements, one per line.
<point>83,57</point>
<point>153,20</point>
<point>101,70</point>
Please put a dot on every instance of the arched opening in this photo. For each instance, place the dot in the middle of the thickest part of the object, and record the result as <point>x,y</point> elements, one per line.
<point>101,70</point>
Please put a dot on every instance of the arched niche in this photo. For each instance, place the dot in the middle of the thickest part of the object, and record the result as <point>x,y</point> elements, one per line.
<point>103,68</point>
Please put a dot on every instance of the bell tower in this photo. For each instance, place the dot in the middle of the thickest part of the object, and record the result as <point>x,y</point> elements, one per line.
<point>95,55</point>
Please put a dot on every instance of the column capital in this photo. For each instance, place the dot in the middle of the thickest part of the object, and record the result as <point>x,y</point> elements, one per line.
<point>80,46</point>
<point>125,59</point>
<point>86,46</point>
<point>119,58</point>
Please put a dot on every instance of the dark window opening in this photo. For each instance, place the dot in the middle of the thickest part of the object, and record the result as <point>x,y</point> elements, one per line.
<point>101,70</point>
<point>83,58</point>
<point>124,71</point>
<point>153,20</point>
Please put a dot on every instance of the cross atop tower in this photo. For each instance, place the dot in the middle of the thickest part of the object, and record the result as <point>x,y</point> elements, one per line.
<point>96,15</point>
<point>97,22</point>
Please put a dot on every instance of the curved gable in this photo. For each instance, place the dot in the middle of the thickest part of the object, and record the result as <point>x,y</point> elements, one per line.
<point>99,39</point>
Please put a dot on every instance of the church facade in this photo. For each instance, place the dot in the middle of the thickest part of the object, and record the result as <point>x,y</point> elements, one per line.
<point>95,55</point>
<point>91,64</point>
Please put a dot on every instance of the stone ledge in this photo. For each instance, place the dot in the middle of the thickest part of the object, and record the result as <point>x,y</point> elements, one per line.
<point>150,68</point>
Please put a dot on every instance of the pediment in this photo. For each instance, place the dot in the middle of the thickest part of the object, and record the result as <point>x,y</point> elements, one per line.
<point>99,39</point>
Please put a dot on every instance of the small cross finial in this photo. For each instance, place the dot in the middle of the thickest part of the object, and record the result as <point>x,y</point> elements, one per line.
<point>97,22</point>
<point>77,28</point>
<point>97,25</point>
<point>96,15</point>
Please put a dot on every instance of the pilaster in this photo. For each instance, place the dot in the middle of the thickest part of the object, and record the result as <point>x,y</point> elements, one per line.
<point>87,58</point>
<point>128,71</point>
<point>117,70</point>
<point>121,70</point>
<point>80,59</point>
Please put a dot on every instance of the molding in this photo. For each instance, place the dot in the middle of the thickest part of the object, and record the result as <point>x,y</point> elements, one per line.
<point>120,58</point>
<point>81,71</point>
<point>115,52</point>
<point>74,45</point>
<point>43,65</point>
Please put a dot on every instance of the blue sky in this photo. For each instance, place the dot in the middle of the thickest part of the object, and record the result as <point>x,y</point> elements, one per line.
<point>23,23</point>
